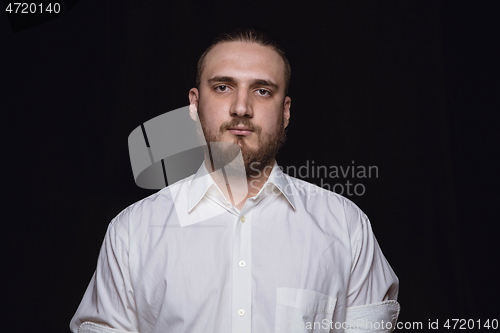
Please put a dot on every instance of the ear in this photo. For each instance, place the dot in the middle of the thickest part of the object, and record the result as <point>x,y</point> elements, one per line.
<point>286,110</point>
<point>193,103</point>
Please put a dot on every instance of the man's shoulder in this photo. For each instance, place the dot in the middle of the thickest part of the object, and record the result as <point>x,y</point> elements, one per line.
<point>158,205</point>
<point>315,192</point>
<point>316,198</point>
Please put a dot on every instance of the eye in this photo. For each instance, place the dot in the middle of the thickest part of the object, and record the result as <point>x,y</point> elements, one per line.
<point>221,88</point>
<point>263,92</point>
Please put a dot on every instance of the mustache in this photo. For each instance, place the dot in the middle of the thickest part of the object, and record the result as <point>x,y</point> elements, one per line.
<point>240,121</point>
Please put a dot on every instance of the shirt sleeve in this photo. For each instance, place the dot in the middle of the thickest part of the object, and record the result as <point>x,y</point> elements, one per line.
<point>373,286</point>
<point>108,304</point>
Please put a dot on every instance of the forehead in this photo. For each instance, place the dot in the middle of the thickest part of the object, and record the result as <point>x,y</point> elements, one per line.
<point>244,60</point>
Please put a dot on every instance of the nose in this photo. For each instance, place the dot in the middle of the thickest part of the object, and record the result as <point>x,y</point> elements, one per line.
<point>242,105</point>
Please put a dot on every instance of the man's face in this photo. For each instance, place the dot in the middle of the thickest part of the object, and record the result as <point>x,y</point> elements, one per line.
<point>242,100</point>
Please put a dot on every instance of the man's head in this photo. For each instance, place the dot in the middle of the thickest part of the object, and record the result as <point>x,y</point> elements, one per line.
<point>247,36</point>
<point>241,95</point>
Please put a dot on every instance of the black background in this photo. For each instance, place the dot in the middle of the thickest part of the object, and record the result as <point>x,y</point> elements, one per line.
<point>408,86</point>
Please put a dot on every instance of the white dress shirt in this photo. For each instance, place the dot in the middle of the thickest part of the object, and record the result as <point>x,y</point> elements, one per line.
<point>296,258</point>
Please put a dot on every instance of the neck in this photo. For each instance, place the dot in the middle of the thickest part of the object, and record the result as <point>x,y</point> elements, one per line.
<point>236,186</point>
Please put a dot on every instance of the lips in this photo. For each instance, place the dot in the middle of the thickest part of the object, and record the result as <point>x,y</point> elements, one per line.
<point>240,130</point>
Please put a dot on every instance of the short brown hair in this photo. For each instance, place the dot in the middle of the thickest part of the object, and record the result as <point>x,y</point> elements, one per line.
<point>249,36</point>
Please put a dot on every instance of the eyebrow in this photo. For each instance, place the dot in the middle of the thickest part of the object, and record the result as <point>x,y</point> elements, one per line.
<point>256,82</point>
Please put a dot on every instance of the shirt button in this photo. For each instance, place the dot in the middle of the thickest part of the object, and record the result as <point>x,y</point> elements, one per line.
<point>242,219</point>
<point>241,312</point>
<point>242,263</point>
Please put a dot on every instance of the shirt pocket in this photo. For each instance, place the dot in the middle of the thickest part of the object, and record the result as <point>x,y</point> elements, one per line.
<point>303,311</point>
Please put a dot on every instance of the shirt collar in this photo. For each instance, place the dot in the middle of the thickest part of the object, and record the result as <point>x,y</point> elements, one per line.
<point>202,182</point>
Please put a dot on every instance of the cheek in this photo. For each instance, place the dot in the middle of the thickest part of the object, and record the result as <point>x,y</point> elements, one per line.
<point>212,114</point>
<point>270,124</point>
<point>214,125</point>
<point>216,112</point>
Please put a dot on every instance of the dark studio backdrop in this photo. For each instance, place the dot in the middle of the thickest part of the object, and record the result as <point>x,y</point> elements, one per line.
<point>407,86</point>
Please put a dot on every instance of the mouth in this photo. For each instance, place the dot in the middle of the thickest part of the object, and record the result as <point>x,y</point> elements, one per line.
<point>240,130</point>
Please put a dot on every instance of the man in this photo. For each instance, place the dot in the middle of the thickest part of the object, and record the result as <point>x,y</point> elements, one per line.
<point>214,254</point>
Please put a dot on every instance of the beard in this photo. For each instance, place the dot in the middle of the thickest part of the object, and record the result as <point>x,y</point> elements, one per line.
<point>254,160</point>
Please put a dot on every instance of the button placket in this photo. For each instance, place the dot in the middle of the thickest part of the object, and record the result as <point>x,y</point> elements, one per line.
<point>242,279</point>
